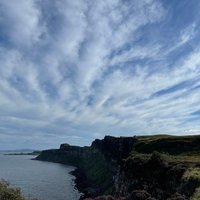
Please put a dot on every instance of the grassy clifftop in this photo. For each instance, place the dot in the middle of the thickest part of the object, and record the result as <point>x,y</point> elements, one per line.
<point>168,144</point>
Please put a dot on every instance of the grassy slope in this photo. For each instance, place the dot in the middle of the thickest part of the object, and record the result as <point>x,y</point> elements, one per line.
<point>176,148</point>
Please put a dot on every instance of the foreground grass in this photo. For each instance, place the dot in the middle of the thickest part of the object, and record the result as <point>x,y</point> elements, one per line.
<point>192,175</point>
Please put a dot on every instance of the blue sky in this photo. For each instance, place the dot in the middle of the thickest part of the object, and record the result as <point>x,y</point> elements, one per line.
<point>73,71</point>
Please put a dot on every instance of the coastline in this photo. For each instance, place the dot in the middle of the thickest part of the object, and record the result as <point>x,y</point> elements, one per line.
<point>83,185</point>
<point>43,177</point>
<point>23,154</point>
<point>127,167</point>
<point>80,182</point>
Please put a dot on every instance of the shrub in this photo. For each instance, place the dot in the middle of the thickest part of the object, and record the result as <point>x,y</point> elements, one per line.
<point>9,193</point>
<point>192,173</point>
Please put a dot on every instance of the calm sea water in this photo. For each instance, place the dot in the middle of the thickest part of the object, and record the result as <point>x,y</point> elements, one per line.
<point>43,180</point>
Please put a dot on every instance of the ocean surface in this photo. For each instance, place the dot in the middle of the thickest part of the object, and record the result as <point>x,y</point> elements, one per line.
<point>42,180</point>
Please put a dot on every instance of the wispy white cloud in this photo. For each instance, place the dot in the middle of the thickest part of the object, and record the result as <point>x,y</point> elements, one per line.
<point>77,70</point>
<point>20,22</point>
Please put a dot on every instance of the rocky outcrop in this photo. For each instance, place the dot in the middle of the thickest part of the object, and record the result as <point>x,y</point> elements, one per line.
<point>114,148</point>
<point>66,154</point>
<point>135,195</point>
<point>154,175</point>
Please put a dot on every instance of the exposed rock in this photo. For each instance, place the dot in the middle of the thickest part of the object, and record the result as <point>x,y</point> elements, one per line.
<point>114,148</point>
<point>139,195</point>
<point>107,197</point>
<point>65,145</point>
<point>177,196</point>
<point>154,175</point>
<point>101,198</point>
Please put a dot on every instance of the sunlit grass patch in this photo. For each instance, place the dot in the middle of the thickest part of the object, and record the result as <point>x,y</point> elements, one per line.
<point>193,173</point>
<point>196,195</point>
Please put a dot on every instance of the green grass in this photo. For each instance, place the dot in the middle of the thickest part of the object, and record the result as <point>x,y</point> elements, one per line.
<point>190,157</point>
<point>174,145</point>
<point>172,148</point>
<point>193,173</point>
<point>150,138</point>
<point>192,176</point>
<point>184,158</point>
<point>135,155</point>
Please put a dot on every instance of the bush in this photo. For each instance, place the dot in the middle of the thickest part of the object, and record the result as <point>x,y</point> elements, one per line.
<point>192,173</point>
<point>9,193</point>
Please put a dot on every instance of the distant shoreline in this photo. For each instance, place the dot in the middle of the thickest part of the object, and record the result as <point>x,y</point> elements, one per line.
<point>23,153</point>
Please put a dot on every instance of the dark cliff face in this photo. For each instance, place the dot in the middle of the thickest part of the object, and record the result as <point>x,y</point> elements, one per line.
<point>154,175</point>
<point>66,154</point>
<point>93,169</point>
<point>114,148</point>
<point>121,167</point>
<point>97,163</point>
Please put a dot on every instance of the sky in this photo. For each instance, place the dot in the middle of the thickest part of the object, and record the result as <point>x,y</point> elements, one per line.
<point>73,71</point>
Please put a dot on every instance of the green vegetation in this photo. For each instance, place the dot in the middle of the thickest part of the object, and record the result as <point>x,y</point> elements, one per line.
<point>9,193</point>
<point>185,157</point>
<point>191,179</point>
<point>150,138</point>
<point>193,173</point>
<point>176,148</point>
<point>196,195</point>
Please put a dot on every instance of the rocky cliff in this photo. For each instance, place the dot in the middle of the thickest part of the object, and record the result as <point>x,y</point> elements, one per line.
<point>138,168</point>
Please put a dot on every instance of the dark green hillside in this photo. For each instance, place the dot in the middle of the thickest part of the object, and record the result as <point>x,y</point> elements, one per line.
<point>173,145</point>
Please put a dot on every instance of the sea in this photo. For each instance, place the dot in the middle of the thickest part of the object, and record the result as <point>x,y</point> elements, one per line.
<point>38,179</point>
